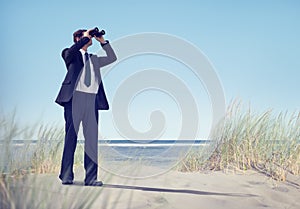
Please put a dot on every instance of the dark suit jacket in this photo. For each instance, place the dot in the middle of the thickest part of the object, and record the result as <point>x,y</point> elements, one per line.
<point>74,63</point>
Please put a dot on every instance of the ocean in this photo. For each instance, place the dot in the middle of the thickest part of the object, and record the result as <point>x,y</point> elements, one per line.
<point>113,154</point>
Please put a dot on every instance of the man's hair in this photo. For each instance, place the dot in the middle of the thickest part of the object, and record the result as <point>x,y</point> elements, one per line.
<point>78,33</point>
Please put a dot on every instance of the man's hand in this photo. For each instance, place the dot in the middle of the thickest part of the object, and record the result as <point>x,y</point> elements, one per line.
<point>100,39</point>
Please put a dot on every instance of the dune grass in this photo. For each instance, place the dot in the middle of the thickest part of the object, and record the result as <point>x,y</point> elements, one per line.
<point>263,141</point>
<point>38,192</point>
<point>40,153</point>
<point>21,185</point>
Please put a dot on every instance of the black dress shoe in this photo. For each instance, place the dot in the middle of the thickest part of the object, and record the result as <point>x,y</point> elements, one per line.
<point>93,183</point>
<point>67,182</point>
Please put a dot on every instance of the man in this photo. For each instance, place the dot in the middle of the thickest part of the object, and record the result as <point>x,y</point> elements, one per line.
<point>82,95</point>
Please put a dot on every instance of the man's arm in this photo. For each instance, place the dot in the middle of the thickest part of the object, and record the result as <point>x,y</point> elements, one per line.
<point>68,54</point>
<point>110,54</point>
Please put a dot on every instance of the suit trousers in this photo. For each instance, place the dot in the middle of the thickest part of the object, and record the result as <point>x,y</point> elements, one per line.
<point>81,108</point>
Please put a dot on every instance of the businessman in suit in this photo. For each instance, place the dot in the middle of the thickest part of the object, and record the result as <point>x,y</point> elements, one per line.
<point>82,95</point>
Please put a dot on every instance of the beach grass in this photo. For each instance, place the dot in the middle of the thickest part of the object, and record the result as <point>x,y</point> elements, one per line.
<point>40,153</point>
<point>245,139</point>
<point>37,191</point>
<point>40,150</point>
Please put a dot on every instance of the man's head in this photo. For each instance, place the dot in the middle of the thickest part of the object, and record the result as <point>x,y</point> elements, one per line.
<point>77,35</point>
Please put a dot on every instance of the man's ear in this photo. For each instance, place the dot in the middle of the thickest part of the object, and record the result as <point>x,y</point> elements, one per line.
<point>77,39</point>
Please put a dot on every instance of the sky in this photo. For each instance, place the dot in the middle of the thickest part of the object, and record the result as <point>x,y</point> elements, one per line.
<point>254,47</point>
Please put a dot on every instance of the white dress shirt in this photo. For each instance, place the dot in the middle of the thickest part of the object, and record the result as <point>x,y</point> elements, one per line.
<point>93,88</point>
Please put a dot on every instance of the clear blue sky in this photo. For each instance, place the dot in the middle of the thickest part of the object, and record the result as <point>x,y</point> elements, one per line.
<point>254,46</point>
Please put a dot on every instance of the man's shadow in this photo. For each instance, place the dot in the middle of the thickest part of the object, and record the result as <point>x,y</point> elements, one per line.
<point>181,191</point>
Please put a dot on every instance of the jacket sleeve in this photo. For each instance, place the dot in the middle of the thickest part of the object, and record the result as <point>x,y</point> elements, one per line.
<point>109,58</point>
<point>68,53</point>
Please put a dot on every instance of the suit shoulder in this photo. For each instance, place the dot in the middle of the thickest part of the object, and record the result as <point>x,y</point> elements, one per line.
<point>64,52</point>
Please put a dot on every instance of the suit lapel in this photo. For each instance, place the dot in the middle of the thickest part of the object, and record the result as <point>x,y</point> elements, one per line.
<point>95,66</point>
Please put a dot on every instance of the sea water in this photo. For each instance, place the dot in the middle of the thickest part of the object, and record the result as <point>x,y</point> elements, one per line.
<point>159,153</point>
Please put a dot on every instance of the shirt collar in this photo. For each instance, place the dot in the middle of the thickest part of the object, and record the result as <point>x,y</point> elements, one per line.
<point>82,51</point>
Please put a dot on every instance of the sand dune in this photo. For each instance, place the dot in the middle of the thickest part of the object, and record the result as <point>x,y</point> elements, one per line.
<point>171,190</point>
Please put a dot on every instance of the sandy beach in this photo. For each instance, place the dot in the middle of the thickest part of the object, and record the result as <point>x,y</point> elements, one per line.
<point>171,190</point>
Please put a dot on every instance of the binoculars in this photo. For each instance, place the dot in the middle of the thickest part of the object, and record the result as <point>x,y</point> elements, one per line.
<point>96,32</point>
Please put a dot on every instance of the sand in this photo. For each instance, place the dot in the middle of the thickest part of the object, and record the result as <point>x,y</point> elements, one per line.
<point>170,190</point>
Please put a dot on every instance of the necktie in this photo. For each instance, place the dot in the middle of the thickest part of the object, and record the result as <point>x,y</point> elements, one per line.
<point>87,79</point>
